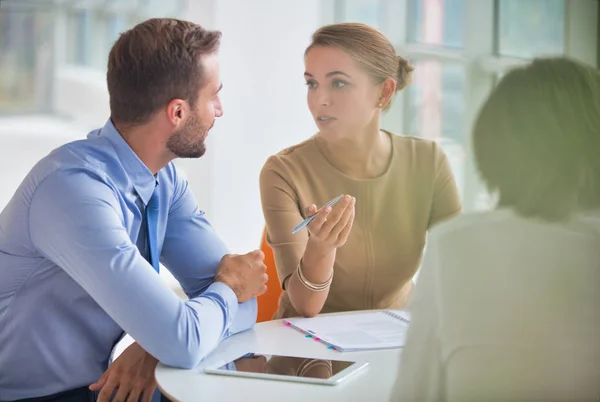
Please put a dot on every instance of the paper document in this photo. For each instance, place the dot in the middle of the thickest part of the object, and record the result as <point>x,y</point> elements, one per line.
<point>363,330</point>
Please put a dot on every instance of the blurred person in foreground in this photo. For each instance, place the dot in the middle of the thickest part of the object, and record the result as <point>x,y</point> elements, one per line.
<point>507,305</point>
<point>82,238</point>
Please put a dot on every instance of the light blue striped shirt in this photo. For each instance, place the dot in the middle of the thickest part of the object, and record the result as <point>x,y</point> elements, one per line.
<point>72,277</point>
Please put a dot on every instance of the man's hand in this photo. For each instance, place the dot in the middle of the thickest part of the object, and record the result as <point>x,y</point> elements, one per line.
<point>244,274</point>
<point>131,375</point>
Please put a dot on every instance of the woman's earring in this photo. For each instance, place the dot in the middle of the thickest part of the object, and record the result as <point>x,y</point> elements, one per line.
<point>380,104</point>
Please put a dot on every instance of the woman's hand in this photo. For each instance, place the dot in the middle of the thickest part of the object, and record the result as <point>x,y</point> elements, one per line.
<point>331,226</point>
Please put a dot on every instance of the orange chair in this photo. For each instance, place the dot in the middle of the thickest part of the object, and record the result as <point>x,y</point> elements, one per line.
<point>269,302</point>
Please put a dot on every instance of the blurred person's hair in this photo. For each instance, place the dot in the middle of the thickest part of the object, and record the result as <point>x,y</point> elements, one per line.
<point>368,47</point>
<point>537,141</point>
<point>155,62</point>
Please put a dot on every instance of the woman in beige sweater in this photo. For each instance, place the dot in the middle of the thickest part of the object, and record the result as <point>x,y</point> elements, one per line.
<point>363,252</point>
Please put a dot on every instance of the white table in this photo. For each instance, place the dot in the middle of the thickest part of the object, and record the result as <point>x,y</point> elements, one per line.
<point>374,383</point>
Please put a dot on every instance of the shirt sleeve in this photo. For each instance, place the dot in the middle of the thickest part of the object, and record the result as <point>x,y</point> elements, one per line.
<point>446,199</point>
<point>282,213</point>
<point>76,222</point>
<point>192,251</point>
<point>420,363</point>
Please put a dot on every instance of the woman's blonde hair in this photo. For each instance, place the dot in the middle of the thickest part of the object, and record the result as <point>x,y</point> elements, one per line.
<point>369,47</point>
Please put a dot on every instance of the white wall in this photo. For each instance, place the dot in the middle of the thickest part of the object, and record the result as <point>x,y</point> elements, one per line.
<point>24,141</point>
<point>81,95</point>
<point>264,100</point>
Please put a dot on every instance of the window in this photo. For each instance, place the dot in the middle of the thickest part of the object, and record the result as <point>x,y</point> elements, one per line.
<point>529,28</point>
<point>39,37</point>
<point>365,11</point>
<point>26,56</point>
<point>93,26</point>
<point>436,22</point>
<point>80,30</point>
<point>436,110</point>
<point>460,49</point>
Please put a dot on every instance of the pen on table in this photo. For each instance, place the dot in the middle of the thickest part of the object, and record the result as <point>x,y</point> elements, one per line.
<point>308,220</point>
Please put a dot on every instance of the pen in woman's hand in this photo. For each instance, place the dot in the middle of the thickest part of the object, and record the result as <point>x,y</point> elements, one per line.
<point>305,222</point>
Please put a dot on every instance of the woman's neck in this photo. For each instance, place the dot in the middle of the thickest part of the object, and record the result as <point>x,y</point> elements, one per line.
<point>362,155</point>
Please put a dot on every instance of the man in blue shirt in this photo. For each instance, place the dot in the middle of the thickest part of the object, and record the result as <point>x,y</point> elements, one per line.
<point>81,239</point>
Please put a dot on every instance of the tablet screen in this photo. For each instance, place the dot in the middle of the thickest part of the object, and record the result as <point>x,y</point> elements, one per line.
<point>287,366</point>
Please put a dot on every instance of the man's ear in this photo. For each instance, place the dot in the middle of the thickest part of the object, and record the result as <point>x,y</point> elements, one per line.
<point>177,111</point>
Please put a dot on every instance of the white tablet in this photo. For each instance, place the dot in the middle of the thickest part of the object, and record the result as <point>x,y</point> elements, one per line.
<point>288,368</point>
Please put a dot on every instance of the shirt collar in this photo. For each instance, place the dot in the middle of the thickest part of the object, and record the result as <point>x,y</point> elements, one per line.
<point>141,177</point>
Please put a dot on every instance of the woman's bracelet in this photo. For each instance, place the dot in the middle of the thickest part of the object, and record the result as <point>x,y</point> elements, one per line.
<point>309,364</point>
<point>310,285</point>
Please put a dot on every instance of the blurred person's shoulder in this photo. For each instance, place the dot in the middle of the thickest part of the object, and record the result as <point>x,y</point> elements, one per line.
<point>472,222</point>
<point>505,219</point>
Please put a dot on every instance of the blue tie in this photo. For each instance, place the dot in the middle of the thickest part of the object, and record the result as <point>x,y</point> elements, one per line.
<point>152,229</point>
<point>154,255</point>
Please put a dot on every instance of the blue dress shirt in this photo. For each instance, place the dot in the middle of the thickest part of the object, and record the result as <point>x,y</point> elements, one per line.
<point>73,277</point>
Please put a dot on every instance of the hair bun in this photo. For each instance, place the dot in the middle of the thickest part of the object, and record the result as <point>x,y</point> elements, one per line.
<point>404,74</point>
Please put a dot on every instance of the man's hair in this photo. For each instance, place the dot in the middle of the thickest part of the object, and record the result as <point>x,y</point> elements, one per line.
<point>536,139</point>
<point>155,62</point>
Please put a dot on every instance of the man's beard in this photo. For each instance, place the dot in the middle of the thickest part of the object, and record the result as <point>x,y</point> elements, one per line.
<point>189,141</point>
